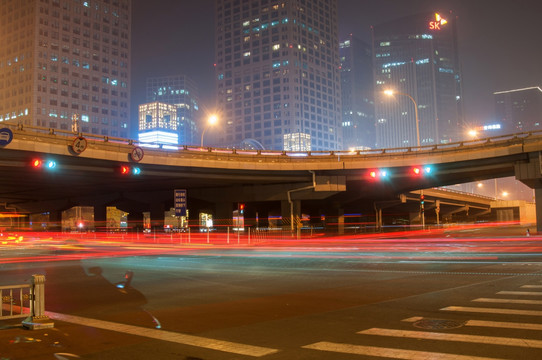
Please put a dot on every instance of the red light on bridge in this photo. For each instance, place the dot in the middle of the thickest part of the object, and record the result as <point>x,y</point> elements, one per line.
<point>124,170</point>
<point>36,163</point>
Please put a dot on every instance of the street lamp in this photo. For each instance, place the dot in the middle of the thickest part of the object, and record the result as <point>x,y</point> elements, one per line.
<point>390,92</point>
<point>213,119</point>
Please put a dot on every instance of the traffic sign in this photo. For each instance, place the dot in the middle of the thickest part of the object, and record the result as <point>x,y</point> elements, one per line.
<point>79,144</point>
<point>6,135</point>
<point>137,154</point>
<point>180,202</point>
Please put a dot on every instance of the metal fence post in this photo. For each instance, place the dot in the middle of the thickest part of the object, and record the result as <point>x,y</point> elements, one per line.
<point>37,319</point>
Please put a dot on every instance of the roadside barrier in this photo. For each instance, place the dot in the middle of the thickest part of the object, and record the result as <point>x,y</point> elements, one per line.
<point>26,301</point>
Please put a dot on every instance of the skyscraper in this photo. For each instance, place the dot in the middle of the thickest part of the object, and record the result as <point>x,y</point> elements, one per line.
<point>277,68</point>
<point>357,94</point>
<point>518,110</point>
<point>66,59</point>
<point>181,91</point>
<point>417,57</point>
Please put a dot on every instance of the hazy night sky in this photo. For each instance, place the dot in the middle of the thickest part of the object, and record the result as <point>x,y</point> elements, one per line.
<point>500,43</point>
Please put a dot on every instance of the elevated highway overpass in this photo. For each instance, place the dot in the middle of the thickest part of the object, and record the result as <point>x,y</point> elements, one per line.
<point>87,172</point>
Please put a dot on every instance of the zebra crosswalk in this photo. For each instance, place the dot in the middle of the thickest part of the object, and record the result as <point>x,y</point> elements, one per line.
<point>486,330</point>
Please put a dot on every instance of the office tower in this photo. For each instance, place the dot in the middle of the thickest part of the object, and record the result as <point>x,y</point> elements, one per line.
<point>61,60</point>
<point>517,110</point>
<point>417,58</point>
<point>277,68</point>
<point>181,91</point>
<point>357,94</point>
<point>158,123</point>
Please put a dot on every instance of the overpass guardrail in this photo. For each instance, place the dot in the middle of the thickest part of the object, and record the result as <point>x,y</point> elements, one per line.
<point>513,138</point>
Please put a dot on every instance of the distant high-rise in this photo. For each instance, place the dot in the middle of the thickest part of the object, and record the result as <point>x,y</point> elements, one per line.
<point>518,110</point>
<point>357,94</point>
<point>277,68</point>
<point>417,56</point>
<point>66,59</point>
<point>182,92</point>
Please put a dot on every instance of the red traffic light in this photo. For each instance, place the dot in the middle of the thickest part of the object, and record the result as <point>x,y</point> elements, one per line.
<point>47,164</point>
<point>129,170</point>
<point>36,163</point>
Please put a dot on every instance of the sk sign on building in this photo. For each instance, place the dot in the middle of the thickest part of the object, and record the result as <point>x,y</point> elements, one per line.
<point>437,22</point>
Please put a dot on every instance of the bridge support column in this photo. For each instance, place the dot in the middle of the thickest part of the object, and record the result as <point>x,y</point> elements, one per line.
<point>340,220</point>
<point>55,220</point>
<point>100,217</point>
<point>135,221</point>
<point>530,174</point>
<point>290,220</point>
<point>157,216</point>
<point>538,201</point>
<point>224,215</point>
<point>378,219</point>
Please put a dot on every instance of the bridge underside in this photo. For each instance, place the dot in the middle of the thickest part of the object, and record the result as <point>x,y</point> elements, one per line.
<point>338,182</point>
<point>34,190</point>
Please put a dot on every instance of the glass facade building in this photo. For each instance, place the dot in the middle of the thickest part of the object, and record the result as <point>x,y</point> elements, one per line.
<point>61,59</point>
<point>181,91</point>
<point>518,110</point>
<point>357,94</point>
<point>417,56</point>
<point>277,73</point>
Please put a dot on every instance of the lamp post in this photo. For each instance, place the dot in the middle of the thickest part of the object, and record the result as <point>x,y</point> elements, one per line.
<point>213,119</point>
<point>391,93</point>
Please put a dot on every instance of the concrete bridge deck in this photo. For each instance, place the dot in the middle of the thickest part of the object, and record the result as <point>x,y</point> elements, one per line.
<point>229,175</point>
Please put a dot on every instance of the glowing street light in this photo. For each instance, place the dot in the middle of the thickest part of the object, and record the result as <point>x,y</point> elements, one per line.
<point>390,92</point>
<point>473,133</point>
<point>213,119</point>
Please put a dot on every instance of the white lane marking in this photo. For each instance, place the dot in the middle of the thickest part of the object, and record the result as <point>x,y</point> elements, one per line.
<point>529,293</point>
<point>493,310</point>
<point>185,339</point>
<point>505,325</point>
<point>494,324</point>
<point>388,352</point>
<point>509,301</point>
<point>531,286</point>
<point>493,340</point>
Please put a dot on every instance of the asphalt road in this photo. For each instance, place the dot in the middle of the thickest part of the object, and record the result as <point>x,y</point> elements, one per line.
<point>445,298</point>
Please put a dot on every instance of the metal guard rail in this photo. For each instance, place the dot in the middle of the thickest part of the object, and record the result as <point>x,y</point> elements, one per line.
<point>313,154</point>
<point>15,305</point>
<point>29,303</point>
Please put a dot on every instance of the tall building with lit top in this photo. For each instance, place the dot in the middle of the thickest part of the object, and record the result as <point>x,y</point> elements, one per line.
<point>62,59</point>
<point>518,110</point>
<point>357,94</point>
<point>417,56</point>
<point>277,73</point>
<point>181,91</point>
<point>158,123</point>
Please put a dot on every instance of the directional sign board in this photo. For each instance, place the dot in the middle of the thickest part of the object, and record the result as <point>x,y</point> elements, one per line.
<point>6,135</point>
<point>180,202</point>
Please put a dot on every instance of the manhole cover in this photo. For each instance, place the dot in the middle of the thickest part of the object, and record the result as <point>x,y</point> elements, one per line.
<point>438,324</point>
